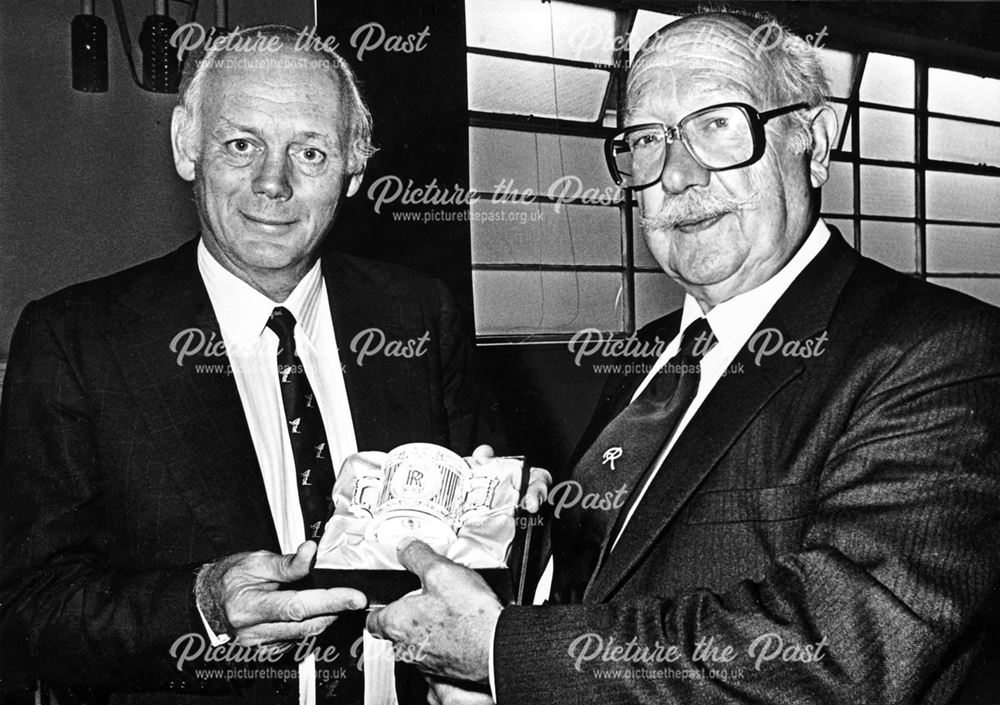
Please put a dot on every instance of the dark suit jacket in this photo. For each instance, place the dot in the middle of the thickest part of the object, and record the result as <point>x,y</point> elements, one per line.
<point>847,504</point>
<point>125,471</point>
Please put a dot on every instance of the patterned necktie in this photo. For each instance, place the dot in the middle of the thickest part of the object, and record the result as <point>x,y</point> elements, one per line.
<point>316,477</point>
<point>618,463</point>
<point>314,470</point>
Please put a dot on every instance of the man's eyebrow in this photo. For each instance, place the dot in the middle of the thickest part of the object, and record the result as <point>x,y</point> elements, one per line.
<point>226,124</point>
<point>639,116</point>
<point>310,135</point>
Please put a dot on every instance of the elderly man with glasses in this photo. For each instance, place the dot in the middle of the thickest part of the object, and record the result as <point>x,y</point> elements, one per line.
<point>813,466</point>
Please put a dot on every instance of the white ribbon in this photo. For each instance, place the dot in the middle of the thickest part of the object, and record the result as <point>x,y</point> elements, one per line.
<point>380,671</point>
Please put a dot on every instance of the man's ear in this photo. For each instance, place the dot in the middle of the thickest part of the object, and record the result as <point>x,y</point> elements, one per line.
<point>823,127</point>
<point>182,140</point>
<point>355,183</point>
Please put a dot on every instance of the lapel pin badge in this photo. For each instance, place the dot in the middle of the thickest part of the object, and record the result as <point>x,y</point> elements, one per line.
<point>611,455</point>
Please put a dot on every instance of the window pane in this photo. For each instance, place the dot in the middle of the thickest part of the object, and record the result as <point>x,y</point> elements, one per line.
<point>509,162</point>
<point>527,88</point>
<point>838,193</point>
<point>888,79</point>
<point>846,228</point>
<point>526,26</point>
<point>886,135</point>
<point>955,141</point>
<point>962,197</point>
<point>545,302</point>
<point>534,233</point>
<point>886,191</point>
<point>963,94</point>
<point>955,248</point>
<point>646,23</point>
<point>840,67</point>
<point>987,290</point>
<point>655,295</point>
<point>641,255</point>
<point>892,244</point>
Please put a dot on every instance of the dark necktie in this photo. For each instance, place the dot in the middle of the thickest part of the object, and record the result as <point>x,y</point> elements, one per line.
<point>314,470</point>
<point>315,479</point>
<point>618,463</point>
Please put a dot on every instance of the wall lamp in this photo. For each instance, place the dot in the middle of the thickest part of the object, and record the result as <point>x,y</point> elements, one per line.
<point>161,68</point>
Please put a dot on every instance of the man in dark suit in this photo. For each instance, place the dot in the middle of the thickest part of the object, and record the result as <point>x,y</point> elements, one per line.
<point>812,473</point>
<point>149,441</point>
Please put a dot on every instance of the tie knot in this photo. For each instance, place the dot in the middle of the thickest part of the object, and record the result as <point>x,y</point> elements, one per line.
<point>697,340</point>
<point>282,322</point>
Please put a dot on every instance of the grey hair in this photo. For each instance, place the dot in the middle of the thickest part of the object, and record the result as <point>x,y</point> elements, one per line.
<point>794,67</point>
<point>359,130</point>
<point>797,73</point>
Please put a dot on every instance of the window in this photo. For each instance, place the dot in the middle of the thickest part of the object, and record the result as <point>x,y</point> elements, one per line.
<point>928,172</point>
<point>914,181</point>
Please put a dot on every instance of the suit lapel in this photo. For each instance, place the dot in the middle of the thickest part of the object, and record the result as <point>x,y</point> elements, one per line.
<point>727,411</point>
<point>195,416</point>
<point>388,394</point>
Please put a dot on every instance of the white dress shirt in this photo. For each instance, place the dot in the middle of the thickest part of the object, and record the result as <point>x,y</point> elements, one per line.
<point>252,349</point>
<point>733,322</point>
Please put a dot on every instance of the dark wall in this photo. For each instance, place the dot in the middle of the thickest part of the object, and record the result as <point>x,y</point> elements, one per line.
<point>546,399</point>
<point>419,105</point>
<point>410,58</point>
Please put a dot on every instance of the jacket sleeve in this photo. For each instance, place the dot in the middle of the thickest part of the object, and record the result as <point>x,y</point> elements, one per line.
<point>877,605</point>
<point>78,617</point>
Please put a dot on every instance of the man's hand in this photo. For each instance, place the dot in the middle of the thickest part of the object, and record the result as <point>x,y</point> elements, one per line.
<point>242,591</point>
<point>442,693</point>
<point>449,627</point>
<point>539,480</point>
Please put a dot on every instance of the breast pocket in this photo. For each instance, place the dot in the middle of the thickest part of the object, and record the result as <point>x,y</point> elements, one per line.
<point>757,504</point>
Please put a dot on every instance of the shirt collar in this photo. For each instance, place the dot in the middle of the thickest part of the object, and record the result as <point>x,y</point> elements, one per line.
<point>735,319</point>
<point>243,311</point>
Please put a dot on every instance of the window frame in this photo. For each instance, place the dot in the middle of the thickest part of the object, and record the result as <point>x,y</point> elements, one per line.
<point>850,36</point>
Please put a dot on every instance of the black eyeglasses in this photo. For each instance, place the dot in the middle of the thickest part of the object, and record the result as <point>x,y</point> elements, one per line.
<point>720,137</point>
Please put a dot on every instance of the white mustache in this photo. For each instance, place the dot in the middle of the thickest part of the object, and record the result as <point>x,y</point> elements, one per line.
<point>693,206</point>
